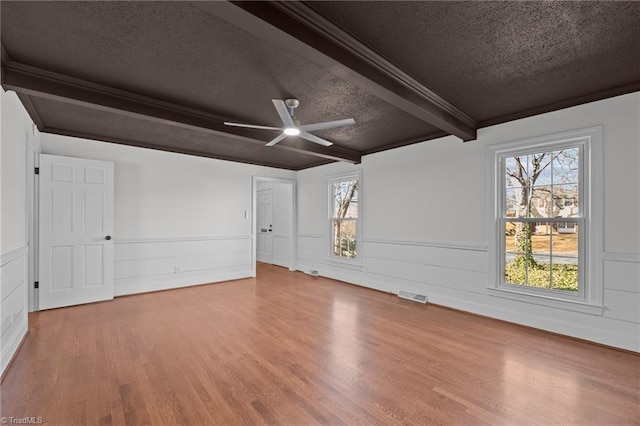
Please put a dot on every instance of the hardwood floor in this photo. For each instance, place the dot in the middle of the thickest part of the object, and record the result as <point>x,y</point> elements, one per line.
<point>290,349</point>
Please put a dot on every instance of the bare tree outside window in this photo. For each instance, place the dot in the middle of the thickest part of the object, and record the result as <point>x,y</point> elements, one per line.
<point>344,216</point>
<point>541,250</point>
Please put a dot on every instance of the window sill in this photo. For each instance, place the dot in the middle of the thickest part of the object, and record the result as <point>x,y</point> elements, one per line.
<point>552,302</point>
<point>356,266</point>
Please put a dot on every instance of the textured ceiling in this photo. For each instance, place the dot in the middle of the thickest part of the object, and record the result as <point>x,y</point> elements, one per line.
<point>492,60</point>
<point>118,128</point>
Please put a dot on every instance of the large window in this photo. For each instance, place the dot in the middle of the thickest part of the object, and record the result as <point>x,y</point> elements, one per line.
<point>344,215</point>
<point>546,240</point>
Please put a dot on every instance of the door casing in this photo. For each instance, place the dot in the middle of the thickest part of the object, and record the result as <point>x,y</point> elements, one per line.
<point>292,221</point>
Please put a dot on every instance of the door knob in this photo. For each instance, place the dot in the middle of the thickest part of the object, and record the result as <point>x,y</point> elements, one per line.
<point>108,237</point>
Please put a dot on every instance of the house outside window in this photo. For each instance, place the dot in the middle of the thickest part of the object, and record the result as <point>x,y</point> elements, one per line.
<point>344,217</point>
<point>547,219</point>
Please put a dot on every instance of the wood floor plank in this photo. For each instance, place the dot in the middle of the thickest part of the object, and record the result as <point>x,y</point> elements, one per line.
<point>289,349</point>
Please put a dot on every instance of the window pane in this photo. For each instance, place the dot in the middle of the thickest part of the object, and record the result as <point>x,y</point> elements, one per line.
<point>540,262</point>
<point>565,239</point>
<point>335,191</point>
<point>345,193</point>
<point>565,273</point>
<point>538,166</point>
<point>516,202</point>
<point>515,253</point>
<point>544,172</point>
<point>515,270</point>
<point>528,255</point>
<point>541,205</point>
<point>513,172</point>
<point>344,238</point>
<point>566,166</point>
<point>565,256</point>
<point>509,235</point>
<point>565,199</point>
<point>542,255</point>
<point>522,174</point>
<point>512,202</point>
<point>352,211</point>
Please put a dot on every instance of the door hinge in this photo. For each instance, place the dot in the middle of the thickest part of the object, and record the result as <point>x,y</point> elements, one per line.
<point>36,284</point>
<point>37,170</point>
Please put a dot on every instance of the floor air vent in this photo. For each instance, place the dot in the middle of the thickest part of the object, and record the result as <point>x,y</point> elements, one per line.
<point>412,296</point>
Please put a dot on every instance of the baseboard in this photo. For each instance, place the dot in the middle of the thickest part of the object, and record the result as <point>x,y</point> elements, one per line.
<point>168,284</point>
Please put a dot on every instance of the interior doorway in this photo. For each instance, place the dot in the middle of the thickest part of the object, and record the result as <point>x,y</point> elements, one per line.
<point>274,222</point>
<point>75,226</point>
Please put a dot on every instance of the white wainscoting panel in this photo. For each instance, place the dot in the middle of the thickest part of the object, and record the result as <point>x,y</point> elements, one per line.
<point>143,265</point>
<point>622,275</point>
<point>622,287</point>
<point>622,305</point>
<point>13,309</point>
<point>455,275</point>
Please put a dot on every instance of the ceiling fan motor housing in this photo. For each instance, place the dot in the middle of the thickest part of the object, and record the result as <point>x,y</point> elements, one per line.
<point>291,104</point>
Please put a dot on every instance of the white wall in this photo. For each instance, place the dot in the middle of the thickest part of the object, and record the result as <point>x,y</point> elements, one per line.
<point>16,132</point>
<point>179,220</point>
<point>425,215</point>
<point>16,126</point>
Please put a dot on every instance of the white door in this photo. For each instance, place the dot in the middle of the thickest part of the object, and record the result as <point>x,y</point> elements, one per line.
<point>264,223</point>
<point>76,227</point>
<point>282,211</point>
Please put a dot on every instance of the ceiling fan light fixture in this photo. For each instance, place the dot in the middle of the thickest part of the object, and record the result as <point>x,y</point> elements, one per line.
<point>291,131</point>
<point>292,126</point>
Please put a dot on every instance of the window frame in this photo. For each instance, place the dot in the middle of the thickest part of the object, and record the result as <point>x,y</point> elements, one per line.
<point>357,261</point>
<point>589,297</point>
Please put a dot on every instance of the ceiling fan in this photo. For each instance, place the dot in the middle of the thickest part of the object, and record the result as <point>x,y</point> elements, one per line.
<point>292,126</point>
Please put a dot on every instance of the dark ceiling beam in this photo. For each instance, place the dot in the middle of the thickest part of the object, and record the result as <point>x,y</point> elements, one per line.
<point>4,54</point>
<point>5,58</point>
<point>130,142</point>
<point>300,29</point>
<point>32,81</point>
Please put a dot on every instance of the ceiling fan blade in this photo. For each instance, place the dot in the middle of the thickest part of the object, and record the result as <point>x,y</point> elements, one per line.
<point>283,112</point>
<point>327,125</point>
<point>314,138</point>
<point>276,139</point>
<point>251,126</point>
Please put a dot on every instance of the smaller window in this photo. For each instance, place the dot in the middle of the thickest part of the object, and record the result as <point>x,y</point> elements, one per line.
<point>344,215</point>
